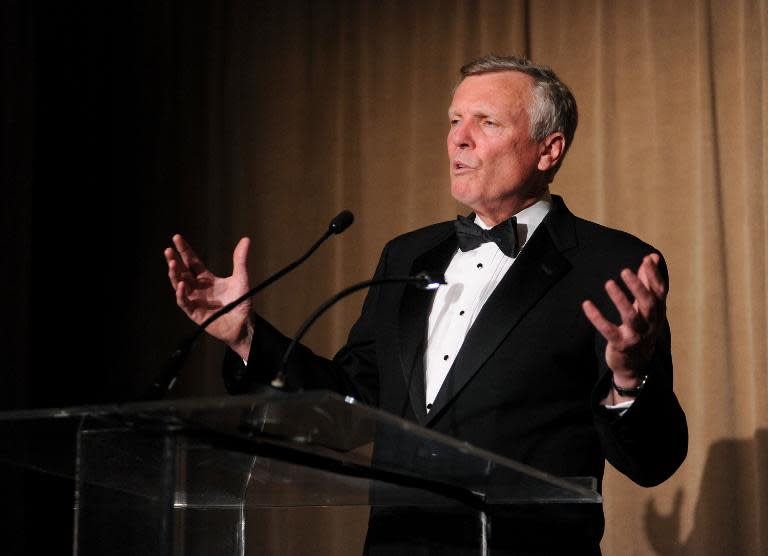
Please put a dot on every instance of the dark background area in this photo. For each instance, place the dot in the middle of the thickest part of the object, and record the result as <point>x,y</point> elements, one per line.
<point>103,126</point>
<point>103,123</point>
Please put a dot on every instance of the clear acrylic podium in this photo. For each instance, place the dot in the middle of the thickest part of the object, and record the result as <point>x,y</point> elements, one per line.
<point>195,476</point>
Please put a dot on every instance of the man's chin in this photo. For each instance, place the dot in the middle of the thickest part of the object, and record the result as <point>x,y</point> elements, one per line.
<point>463,194</point>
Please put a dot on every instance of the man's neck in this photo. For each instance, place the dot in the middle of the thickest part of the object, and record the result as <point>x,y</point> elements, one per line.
<point>500,214</point>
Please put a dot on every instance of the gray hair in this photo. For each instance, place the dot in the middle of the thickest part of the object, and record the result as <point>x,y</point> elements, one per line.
<point>553,109</point>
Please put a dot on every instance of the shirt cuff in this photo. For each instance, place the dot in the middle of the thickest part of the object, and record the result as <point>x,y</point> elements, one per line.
<point>620,408</point>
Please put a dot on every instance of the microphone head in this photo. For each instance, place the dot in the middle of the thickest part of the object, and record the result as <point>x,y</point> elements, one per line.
<point>430,280</point>
<point>341,222</point>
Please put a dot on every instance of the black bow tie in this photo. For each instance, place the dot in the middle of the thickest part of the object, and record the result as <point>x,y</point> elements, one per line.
<point>471,236</point>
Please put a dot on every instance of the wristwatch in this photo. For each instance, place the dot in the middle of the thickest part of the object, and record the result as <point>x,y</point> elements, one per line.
<point>630,392</point>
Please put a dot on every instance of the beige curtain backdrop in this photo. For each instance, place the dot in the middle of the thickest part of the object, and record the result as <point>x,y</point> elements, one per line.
<point>319,106</point>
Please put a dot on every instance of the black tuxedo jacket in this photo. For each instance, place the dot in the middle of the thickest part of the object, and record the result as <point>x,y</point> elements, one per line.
<point>528,379</point>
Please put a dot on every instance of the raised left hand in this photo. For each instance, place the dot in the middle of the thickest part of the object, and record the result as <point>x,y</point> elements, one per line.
<point>631,343</point>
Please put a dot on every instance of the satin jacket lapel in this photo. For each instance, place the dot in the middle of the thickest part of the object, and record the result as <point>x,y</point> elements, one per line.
<point>539,266</point>
<point>414,321</point>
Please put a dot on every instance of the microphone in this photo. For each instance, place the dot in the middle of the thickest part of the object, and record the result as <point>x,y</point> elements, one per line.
<point>422,280</point>
<point>341,222</point>
<point>166,378</point>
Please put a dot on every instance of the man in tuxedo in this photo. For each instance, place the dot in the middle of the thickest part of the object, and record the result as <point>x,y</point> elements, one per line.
<point>549,344</point>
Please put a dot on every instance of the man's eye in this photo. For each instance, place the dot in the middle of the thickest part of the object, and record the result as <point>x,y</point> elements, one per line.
<point>489,123</point>
<point>454,122</point>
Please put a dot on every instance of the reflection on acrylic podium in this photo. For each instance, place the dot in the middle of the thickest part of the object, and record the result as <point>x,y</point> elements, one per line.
<point>220,475</point>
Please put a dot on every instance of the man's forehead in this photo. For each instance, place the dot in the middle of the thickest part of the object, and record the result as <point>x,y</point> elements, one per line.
<point>491,91</point>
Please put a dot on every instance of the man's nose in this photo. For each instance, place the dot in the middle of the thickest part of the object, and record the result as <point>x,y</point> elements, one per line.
<point>461,136</point>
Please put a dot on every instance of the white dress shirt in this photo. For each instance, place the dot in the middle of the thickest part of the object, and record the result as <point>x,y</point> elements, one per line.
<point>471,278</point>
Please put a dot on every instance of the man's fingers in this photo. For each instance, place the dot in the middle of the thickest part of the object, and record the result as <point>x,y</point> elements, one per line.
<point>173,267</point>
<point>645,301</point>
<point>630,343</point>
<point>181,298</point>
<point>173,272</point>
<point>650,276</point>
<point>177,271</point>
<point>240,256</point>
<point>170,255</point>
<point>626,310</point>
<point>609,330</point>
<point>188,255</point>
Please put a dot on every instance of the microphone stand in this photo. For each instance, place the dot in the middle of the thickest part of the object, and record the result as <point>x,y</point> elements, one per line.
<point>423,280</point>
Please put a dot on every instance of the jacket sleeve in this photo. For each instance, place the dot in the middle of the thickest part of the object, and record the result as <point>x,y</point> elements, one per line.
<point>649,441</point>
<point>353,371</point>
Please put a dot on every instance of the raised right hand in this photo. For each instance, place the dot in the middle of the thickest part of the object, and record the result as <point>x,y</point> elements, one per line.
<point>200,293</point>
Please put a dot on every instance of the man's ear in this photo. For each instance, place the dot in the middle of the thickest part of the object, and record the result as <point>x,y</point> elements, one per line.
<point>552,148</point>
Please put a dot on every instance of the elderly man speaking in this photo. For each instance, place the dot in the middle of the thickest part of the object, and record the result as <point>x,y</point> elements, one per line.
<point>550,344</point>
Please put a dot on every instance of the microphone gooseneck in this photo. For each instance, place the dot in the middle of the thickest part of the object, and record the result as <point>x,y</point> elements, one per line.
<point>166,378</point>
<point>423,280</point>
